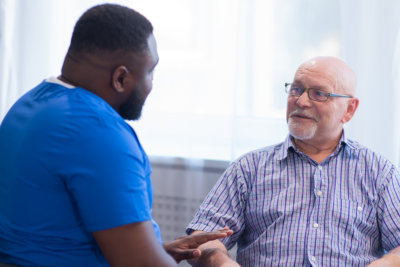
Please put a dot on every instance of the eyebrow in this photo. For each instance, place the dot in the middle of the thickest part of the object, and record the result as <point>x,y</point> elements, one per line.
<point>318,87</point>
<point>297,83</point>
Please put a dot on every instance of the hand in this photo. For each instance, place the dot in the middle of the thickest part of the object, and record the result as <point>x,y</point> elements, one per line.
<point>186,247</point>
<point>388,260</point>
<point>214,257</point>
<point>379,263</point>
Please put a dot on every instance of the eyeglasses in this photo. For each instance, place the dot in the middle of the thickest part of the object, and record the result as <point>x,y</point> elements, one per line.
<point>313,93</point>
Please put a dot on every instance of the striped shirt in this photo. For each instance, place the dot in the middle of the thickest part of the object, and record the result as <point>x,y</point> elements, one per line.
<point>287,210</point>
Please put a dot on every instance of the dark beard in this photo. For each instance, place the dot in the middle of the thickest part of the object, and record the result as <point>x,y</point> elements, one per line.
<point>132,108</point>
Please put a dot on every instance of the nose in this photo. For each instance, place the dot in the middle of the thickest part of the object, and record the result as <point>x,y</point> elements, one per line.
<point>303,100</point>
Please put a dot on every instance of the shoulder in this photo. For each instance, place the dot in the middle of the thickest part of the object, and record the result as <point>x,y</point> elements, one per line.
<point>84,121</point>
<point>250,163</point>
<point>371,163</point>
<point>262,155</point>
<point>365,155</point>
<point>78,113</point>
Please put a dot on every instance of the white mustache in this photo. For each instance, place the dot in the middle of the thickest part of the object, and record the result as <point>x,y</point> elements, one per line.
<point>303,114</point>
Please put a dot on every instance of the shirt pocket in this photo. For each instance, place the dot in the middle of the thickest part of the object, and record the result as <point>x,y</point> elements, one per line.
<point>355,221</point>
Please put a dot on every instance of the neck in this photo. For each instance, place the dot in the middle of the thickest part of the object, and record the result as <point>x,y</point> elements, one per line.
<point>81,71</point>
<point>84,72</point>
<point>317,151</point>
<point>65,80</point>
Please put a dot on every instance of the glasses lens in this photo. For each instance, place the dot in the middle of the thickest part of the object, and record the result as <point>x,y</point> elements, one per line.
<point>317,95</point>
<point>295,91</point>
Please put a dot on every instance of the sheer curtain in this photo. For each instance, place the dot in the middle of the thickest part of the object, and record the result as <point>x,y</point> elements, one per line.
<point>219,86</point>
<point>371,44</point>
<point>218,90</point>
<point>8,55</point>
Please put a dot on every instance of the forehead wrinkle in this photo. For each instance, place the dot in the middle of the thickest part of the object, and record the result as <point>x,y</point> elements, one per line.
<point>336,71</point>
<point>314,74</point>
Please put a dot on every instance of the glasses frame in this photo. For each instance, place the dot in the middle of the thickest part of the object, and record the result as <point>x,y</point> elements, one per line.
<point>328,95</point>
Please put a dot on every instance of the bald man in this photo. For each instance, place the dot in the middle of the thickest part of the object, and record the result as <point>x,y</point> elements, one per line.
<point>316,199</point>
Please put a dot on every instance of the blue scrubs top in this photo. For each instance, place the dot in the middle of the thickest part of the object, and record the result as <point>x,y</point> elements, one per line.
<point>69,165</point>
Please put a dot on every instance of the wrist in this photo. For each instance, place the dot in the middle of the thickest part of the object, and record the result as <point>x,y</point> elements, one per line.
<point>215,254</point>
<point>212,257</point>
<point>392,258</point>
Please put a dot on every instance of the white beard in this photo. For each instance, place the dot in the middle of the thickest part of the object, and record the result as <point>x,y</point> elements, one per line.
<point>300,131</point>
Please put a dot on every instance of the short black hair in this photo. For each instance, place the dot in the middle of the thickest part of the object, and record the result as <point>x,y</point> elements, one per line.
<point>111,27</point>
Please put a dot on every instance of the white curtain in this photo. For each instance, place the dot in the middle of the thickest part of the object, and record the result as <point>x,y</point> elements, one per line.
<point>371,44</point>
<point>8,55</point>
<point>218,90</point>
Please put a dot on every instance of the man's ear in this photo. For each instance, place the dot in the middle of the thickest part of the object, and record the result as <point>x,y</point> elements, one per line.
<point>351,109</point>
<point>119,78</point>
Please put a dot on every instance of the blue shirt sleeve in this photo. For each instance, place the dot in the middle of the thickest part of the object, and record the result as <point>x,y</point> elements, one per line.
<point>107,174</point>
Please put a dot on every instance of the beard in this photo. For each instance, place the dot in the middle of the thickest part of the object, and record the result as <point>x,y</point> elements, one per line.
<point>132,108</point>
<point>299,130</point>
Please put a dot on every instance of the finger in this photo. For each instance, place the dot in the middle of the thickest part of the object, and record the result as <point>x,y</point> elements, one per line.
<point>188,254</point>
<point>224,230</point>
<point>217,234</point>
<point>207,236</point>
<point>200,238</point>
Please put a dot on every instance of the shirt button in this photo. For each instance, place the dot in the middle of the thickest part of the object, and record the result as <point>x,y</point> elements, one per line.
<point>359,208</point>
<point>312,258</point>
<point>319,167</point>
<point>319,193</point>
<point>315,225</point>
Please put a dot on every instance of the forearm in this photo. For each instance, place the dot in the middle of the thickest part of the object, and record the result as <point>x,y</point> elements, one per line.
<point>213,254</point>
<point>133,244</point>
<point>187,247</point>
<point>393,257</point>
<point>390,259</point>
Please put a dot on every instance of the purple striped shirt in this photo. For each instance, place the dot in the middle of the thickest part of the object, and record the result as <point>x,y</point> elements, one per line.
<point>288,210</point>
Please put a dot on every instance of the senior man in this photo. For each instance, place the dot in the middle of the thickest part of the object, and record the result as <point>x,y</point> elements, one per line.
<point>316,199</point>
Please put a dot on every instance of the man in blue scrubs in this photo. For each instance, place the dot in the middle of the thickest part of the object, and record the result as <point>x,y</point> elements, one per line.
<point>75,186</point>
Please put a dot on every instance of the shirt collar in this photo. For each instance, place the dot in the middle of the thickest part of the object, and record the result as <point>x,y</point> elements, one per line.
<point>56,80</point>
<point>289,145</point>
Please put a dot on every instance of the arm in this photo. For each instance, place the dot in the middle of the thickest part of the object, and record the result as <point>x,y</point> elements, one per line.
<point>390,259</point>
<point>213,254</point>
<point>133,244</point>
<point>187,247</point>
<point>388,219</point>
<point>223,206</point>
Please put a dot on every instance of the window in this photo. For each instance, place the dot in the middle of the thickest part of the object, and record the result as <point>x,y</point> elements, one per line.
<point>219,87</point>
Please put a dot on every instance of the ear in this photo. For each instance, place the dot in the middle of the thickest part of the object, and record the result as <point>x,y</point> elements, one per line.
<point>352,106</point>
<point>120,78</point>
